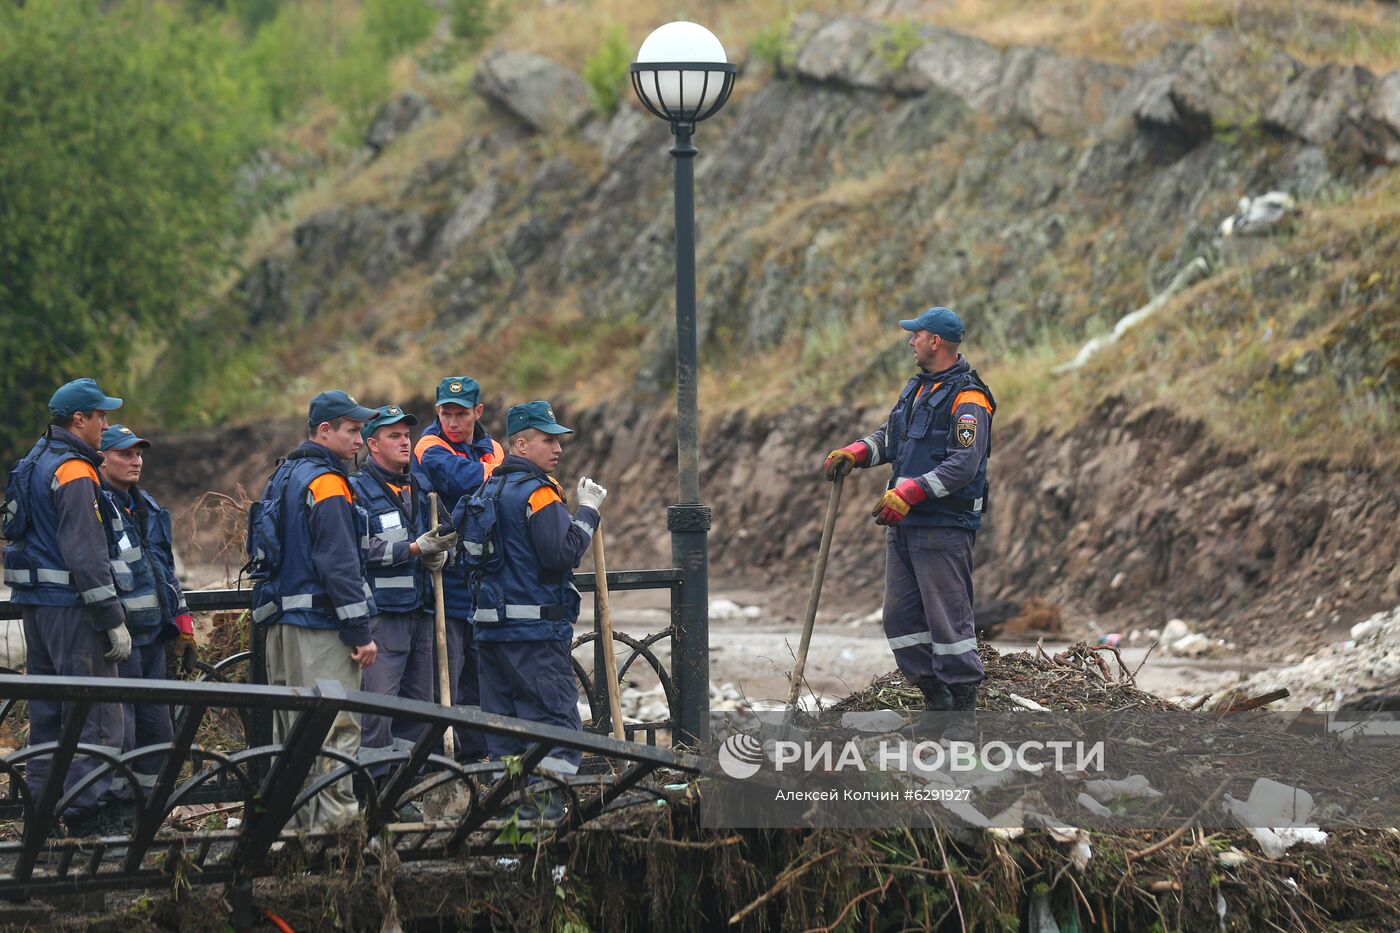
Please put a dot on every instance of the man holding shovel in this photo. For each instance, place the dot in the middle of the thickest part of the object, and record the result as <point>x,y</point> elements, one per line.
<point>404,548</point>
<point>937,439</point>
<point>453,457</point>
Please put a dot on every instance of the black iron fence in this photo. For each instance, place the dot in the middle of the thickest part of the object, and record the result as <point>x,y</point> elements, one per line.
<point>470,808</point>
<point>273,782</point>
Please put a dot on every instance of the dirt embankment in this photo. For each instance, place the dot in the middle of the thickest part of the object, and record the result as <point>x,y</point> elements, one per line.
<point>1129,518</point>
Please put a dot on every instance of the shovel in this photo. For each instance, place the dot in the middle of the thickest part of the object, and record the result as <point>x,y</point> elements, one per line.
<point>440,636</point>
<point>827,530</point>
<point>606,634</point>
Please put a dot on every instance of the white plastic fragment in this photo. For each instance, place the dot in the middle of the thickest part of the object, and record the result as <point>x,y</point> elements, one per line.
<point>1031,705</point>
<point>1093,806</point>
<point>1134,785</point>
<point>1232,858</point>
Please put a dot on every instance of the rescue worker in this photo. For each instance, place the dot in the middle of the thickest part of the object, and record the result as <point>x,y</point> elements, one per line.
<point>59,570</point>
<point>937,439</point>
<point>322,627</point>
<point>453,457</point>
<point>404,548</point>
<point>156,614</point>
<point>526,609</point>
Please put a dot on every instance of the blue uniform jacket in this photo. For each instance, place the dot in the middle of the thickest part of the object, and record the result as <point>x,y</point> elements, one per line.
<point>939,434</point>
<point>532,596</point>
<point>398,513</point>
<point>453,471</point>
<point>321,583</point>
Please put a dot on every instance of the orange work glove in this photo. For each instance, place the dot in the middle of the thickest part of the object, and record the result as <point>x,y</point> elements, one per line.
<point>896,502</point>
<point>185,645</point>
<point>844,459</point>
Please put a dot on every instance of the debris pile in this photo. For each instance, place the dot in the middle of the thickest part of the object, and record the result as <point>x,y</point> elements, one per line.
<point>1078,678</point>
<point>1367,662</point>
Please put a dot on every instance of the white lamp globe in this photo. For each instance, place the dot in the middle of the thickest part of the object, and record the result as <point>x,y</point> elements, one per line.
<point>681,92</point>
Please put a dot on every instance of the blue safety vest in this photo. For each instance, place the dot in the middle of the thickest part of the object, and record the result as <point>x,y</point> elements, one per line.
<point>521,600</point>
<point>401,587</point>
<point>34,567</point>
<point>300,596</point>
<point>132,568</point>
<point>916,441</point>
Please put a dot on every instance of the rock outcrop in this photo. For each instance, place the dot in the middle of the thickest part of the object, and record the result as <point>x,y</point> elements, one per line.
<point>541,92</point>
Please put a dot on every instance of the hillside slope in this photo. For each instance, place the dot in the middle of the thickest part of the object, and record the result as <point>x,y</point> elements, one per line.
<point>1232,459</point>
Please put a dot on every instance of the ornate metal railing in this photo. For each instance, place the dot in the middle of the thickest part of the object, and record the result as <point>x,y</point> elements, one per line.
<point>265,783</point>
<point>272,782</point>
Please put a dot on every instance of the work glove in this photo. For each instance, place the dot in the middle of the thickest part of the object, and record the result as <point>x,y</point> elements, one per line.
<point>591,494</point>
<point>438,540</point>
<point>845,459</point>
<point>896,502</point>
<point>185,645</point>
<point>121,644</point>
<point>435,562</point>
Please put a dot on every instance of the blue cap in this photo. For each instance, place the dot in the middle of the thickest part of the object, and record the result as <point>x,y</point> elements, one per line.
<point>537,415</point>
<point>384,416</point>
<point>459,390</point>
<point>120,437</point>
<point>336,404</point>
<point>940,321</point>
<point>81,395</point>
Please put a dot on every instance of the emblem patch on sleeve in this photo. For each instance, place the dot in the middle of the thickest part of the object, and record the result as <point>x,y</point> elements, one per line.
<point>966,430</point>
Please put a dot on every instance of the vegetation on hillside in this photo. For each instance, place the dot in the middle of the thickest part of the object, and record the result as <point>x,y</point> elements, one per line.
<point>127,173</point>
<point>295,84</point>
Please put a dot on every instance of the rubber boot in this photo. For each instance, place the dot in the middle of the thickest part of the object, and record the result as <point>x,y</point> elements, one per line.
<point>930,722</point>
<point>964,720</point>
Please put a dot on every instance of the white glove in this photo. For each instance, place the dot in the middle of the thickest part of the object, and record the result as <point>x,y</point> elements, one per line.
<point>435,562</point>
<point>121,644</point>
<point>590,493</point>
<point>430,543</point>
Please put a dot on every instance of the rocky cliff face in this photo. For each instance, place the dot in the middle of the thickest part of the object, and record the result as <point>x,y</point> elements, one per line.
<point>1037,193</point>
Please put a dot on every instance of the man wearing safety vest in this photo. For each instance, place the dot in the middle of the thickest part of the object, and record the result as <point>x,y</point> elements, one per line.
<point>528,606</point>
<point>404,548</point>
<point>59,568</point>
<point>937,439</point>
<point>156,614</point>
<point>320,626</point>
<point>453,457</point>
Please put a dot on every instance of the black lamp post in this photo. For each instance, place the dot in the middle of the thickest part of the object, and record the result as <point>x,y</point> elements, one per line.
<point>681,76</point>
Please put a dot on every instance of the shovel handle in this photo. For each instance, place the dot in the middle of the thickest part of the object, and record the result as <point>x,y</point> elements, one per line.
<point>440,636</point>
<point>828,529</point>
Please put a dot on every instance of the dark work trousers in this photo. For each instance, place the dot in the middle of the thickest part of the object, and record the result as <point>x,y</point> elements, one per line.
<point>928,603</point>
<point>402,668</point>
<point>61,641</point>
<point>532,680</point>
<point>146,723</point>
<point>462,672</point>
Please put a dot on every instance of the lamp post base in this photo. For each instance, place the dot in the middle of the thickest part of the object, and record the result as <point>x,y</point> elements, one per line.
<point>689,525</point>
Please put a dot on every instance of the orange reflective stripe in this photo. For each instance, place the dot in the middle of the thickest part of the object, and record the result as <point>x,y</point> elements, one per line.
<point>542,497</point>
<point>70,470</point>
<point>428,441</point>
<point>972,397</point>
<point>921,390</point>
<point>492,460</point>
<point>329,485</point>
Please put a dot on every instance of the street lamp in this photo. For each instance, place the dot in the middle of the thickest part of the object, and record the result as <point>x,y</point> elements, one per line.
<point>681,76</point>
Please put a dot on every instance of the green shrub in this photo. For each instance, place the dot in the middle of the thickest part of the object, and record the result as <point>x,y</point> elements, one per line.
<point>772,45</point>
<point>357,81</point>
<point>473,20</point>
<point>606,72</point>
<point>116,187</point>
<point>396,25</point>
<point>900,40</point>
